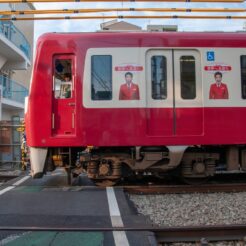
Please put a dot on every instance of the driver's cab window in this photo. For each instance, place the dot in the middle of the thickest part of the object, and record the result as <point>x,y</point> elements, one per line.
<point>63,83</point>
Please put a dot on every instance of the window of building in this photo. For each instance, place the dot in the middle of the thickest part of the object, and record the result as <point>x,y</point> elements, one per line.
<point>101,77</point>
<point>159,77</point>
<point>63,83</point>
<point>243,75</point>
<point>188,77</point>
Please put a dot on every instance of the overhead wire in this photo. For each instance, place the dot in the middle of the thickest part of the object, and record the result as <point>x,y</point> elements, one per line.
<point>16,15</point>
<point>192,1</point>
<point>121,17</point>
<point>96,10</point>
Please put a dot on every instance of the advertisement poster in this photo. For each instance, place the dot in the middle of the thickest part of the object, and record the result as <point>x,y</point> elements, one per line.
<point>129,88</point>
<point>218,88</point>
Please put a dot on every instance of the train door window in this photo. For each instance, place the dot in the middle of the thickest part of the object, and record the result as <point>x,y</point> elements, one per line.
<point>159,77</point>
<point>63,83</point>
<point>243,75</point>
<point>188,77</point>
<point>101,77</point>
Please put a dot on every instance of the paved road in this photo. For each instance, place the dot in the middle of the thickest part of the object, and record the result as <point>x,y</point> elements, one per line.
<point>49,202</point>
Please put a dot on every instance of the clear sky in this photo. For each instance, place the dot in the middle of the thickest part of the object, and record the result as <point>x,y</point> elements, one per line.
<point>183,25</point>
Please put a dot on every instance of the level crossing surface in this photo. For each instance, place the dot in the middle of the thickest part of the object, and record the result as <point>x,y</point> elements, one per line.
<point>50,203</point>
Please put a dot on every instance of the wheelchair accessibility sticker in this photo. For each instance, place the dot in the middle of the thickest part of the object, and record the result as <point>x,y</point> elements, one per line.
<point>210,56</point>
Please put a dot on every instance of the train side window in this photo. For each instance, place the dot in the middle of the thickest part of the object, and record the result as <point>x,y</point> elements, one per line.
<point>159,77</point>
<point>243,75</point>
<point>101,77</point>
<point>188,77</point>
<point>63,78</point>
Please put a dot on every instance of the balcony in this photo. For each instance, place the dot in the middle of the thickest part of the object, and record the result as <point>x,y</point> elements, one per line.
<point>15,51</point>
<point>13,93</point>
<point>8,29</point>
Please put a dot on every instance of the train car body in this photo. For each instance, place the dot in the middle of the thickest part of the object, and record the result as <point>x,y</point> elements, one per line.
<point>150,101</point>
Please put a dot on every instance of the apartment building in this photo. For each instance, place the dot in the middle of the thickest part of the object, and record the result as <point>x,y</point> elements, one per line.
<point>16,54</point>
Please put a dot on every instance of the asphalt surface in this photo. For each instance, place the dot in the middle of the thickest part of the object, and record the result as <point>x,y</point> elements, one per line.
<point>50,202</point>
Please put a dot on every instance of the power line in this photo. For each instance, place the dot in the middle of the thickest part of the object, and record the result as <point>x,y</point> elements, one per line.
<point>121,17</point>
<point>194,1</point>
<point>77,11</point>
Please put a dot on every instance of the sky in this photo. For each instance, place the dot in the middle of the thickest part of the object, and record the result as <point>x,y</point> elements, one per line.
<point>183,25</point>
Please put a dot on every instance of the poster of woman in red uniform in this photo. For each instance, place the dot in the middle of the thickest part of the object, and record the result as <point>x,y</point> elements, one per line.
<point>218,90</point>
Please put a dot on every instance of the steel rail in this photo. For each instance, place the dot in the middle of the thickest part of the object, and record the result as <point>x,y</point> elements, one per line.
<point>121,17</point>
<point>194,234</point>
<point>178,189</point>
<point>7,177</point>
<point>170,189</point>
<point>77,11</point>
<point>194,1</point>
<point>163,234</point>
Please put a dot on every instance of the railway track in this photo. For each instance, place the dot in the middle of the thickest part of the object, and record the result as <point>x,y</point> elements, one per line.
<point>5,178</point>
<point>168,189</point>
<point>161,189</point>
<point>196,233</point>
<point>163,234</point>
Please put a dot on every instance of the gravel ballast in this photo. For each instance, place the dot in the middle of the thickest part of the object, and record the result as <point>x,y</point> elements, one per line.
<point>193,209</point>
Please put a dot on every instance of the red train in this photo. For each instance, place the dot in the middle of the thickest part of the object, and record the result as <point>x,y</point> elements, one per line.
<point>117,104</point>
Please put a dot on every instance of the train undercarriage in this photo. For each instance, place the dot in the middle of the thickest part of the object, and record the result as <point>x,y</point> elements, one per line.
<point>106,166</point>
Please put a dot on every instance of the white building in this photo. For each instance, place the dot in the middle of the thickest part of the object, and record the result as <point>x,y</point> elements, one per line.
<point>16,51</point>
<point>116,25</point>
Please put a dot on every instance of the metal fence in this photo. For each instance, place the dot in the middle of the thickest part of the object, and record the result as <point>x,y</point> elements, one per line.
<point>11,32</point>
<point>10,145</point>
<point>13,90</point>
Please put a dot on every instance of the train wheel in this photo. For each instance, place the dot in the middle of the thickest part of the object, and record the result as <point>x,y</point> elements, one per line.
<point>105,182</point>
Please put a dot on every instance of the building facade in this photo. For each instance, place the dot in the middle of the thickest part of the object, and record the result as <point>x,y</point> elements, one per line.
<point>16,55</point>
<point>116,25</point>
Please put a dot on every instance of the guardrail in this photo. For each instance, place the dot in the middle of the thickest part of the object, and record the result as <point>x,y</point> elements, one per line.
<point>11,32</point>
<point>13,90</point>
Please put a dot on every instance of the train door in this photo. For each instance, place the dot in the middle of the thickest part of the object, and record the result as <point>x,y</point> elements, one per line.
<point>63,96</point>
<point>174,93</point>
<point>188,93</point>
<point>160,115</point>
